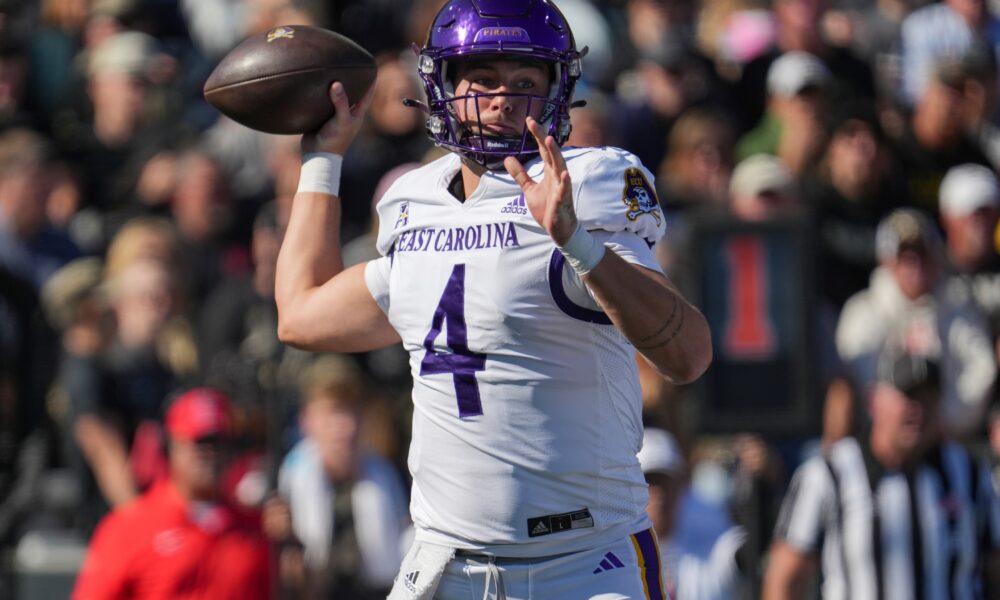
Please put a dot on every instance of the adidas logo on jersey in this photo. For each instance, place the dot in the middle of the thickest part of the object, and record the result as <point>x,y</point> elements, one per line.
<point>540,528</point>
<point>516,206</point>
<point>410,581</point>
<point>608,563</point>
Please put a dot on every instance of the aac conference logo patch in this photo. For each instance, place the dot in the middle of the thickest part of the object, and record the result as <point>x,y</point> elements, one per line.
<point>404,215</point>
<point>639,197</point>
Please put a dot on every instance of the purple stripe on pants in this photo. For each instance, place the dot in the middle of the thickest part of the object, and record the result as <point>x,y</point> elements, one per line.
<point>649,554</point>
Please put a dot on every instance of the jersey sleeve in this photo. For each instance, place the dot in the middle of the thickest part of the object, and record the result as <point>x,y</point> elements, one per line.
<point>631,248</point>
<point>377,280</point>
<point>393,208</point>
<point>616,193</point>
<point>802,519</point>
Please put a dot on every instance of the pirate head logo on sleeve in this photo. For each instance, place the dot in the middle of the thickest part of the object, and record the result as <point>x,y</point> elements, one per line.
<point>640,197</point>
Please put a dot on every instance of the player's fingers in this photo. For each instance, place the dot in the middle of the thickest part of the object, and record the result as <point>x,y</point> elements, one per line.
<point>536,132</point>
<point>516,170</point>
<point>558,161</point>
<point>340,102</point>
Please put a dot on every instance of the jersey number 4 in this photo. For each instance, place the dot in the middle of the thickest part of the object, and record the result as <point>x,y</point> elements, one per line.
<point>461,362</point>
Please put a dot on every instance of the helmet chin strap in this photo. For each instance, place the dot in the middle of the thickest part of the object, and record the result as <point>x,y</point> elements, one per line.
<point>493,161</point>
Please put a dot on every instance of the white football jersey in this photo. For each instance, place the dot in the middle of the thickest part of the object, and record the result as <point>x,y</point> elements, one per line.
<point>527,407</point>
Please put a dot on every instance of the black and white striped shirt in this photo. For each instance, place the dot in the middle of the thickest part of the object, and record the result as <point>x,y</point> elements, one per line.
<point>883,535</point>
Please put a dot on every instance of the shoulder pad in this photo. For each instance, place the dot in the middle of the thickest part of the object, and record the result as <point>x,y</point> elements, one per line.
<point>393,209</point>
<point>613,191</point>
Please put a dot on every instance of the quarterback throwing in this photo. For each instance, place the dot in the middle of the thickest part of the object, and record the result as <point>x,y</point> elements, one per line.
<point>519,276</point>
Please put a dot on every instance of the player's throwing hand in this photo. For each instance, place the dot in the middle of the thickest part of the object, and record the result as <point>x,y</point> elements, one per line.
<point>336,135</point>
<point>550,200</point>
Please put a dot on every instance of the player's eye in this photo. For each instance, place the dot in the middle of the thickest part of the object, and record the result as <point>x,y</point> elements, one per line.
<point>485,82</point>
<point>526,84</point>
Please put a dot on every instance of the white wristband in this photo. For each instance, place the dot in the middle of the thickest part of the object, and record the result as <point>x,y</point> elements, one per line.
<point>320,172</point>
<point>582,250</point>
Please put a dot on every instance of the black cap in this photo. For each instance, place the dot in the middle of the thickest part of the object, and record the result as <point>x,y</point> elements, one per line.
<point>908,373</point>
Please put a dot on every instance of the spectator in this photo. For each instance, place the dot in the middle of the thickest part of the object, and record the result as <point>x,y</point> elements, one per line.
<point>934,137</point>
<point>115,393</point>
<point>203,210</point>
<point>699,161</point>
<point>799,30</point>
<point>978,68</point>
<point>181,538</point>
<point>698,542</point>
<point>875,36</point>
<point>761,188</point>
<point>891,513</point>
<point>970,211</point>
<point>798,92</point>
<point>939,31</point>
<point>29,246</point>
<point>343,504</point>
<point>908,305</point>
<point>669,78</point>
<point>852,185</point>
<point>121,123</point>
<point>238,338</point>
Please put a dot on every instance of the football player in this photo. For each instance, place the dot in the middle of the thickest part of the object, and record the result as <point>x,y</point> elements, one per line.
<point>519,276</point>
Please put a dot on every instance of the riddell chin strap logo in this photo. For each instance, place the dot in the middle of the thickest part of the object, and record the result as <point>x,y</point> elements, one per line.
<point>410,581</point>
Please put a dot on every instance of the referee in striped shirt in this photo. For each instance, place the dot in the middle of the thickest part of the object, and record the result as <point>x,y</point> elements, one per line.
<point>895,513</point>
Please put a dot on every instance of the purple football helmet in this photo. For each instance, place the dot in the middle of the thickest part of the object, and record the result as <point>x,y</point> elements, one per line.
<point>512,28</point>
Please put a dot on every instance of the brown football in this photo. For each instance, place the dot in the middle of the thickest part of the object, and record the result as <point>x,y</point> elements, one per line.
<point>279,81</point>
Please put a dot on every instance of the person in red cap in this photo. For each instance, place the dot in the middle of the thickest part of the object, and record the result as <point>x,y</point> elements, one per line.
<point>181,539</point>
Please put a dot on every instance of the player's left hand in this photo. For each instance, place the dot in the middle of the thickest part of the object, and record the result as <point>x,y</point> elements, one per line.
<point>551,199</point>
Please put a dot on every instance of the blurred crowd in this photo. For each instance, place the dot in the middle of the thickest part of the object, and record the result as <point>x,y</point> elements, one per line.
<point>828,169</point>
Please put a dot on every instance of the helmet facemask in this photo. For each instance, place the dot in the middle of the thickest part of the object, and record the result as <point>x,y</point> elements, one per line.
<point>534,31</point>
<point>472,138</point>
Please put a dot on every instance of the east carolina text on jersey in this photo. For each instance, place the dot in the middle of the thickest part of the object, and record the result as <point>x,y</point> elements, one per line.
<point>457,239</point>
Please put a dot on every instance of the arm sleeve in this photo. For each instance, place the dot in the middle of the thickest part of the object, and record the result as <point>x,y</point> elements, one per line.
<point>802,520</point>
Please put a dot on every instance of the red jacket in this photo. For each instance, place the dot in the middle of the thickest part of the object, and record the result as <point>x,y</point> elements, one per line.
<point>161,547</point>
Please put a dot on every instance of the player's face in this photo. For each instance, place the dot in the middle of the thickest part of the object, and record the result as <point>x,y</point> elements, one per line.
<point>502,115</point>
